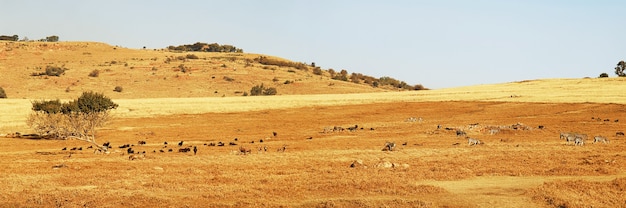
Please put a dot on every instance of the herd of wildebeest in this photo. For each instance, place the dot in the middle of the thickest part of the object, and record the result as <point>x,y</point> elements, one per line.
<point>571,138</point>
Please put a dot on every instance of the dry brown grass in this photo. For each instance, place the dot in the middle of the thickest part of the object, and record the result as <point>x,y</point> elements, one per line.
<point>514,168</point>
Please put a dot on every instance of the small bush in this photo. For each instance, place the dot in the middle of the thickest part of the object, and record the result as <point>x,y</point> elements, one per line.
<point>261,90</point>
<point>228,79</point>
<point>275,79</point>
<point>94,73</point>
<point>2,93</point>
<point>118,89</point>
<point>317,70</point>
<point>191,56</point>
<point>288,82</point>
<point>604,75</point>
<point>54,71</point>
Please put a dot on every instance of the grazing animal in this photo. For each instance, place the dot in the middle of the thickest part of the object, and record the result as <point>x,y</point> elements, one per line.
<point>125,146</point>
<point>195,150</point>
<point>460,133</point>
<point>260,140</point>
<point>73,148</point>
<point>619,133</point>
<point>282,149</point>
<point>405,143</point>
<point>472,141</point>
<point>64,148</point>
<point>353,128</point>
<point>106,144</point>
<point>579,141</point>
<point>244,150</point>
<point>89,147</point>
<point>600,139</point>
<point>220,144</point>
<point>136,157</point>
<point>186,149</point>
<point>211,144</point>
<point>541,127</point>
<point>80,148</point>
<point>141,142</point>
<point>275,134</point>
<point>232,143</point>
<point>389,146</point>
<point>165,143</point>
<point>309,138</point>
<point>180,144</point>
<point>130,151</point>
<point>161,151</point>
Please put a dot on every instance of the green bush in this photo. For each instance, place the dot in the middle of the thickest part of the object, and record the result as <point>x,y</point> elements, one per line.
<point>604,75</point>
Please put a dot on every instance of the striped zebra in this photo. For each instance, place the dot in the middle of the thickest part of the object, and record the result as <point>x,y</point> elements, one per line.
<point>579,141</point>
<point>472,141</point>
<point>600,139</point>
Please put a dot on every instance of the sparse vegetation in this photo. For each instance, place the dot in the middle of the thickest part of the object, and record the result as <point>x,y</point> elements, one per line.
<point>94,73</point>
<point>205,47</point>
<point>275,62</point>
<point>191,56</point>
<point>228,79</point>
<point>118,89</point>
<point>262,90</point>
<point>51,71</point>
<point>2,93</point>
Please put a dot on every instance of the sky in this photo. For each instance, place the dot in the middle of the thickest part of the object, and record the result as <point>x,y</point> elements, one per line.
<point>439,44</point>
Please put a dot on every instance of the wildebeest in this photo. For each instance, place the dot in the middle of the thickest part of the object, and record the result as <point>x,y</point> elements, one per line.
<point>170,150</point>
<point>130,151</point>
<point>180,144</point>
<point>353,128</point>
<point>220,144</point>
<point>275,133</point>
<point>64,148</point>
<point>600,139</point>
<point>186,149</point>
<point>195,150</point>
<point>141,142</point>
<point>124,146</point>
<point>460,133</point>
<point>472,141</point>
<point>389,146</point>
<point>619,133</point>
<point>161,151</point>
<point>232,143</point>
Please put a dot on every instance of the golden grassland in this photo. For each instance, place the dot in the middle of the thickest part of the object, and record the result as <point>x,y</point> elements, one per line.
<point>432,167</point>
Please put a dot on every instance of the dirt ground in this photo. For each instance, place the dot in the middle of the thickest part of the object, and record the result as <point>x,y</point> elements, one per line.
<point>523,164</point>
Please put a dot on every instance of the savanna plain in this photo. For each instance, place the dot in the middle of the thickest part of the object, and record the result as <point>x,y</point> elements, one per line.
<point>296,161</point>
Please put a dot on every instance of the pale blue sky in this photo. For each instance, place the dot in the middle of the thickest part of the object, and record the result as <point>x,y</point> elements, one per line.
<point>438,44</point>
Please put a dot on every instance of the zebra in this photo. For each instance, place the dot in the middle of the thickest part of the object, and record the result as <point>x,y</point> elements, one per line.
<point>579,141</point>
<point>389,146</point>
<point>472,141</point>
<point>600,139</point>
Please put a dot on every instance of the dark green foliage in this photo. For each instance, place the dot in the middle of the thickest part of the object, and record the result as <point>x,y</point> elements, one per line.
<point>619,70</point>
<point>261,90</point>
<point>53,38</point>
<point>48,107</point>
<point>89,102</point>
<point>205,47</point>
<point>603,75</point>
<point>9,38</point>
<point>2,93</point>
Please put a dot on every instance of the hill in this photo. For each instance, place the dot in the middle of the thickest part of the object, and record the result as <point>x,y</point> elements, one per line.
<point>155,73</point>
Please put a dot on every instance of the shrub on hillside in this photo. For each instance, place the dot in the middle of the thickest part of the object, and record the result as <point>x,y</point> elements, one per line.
<point>261,90</point>
<point>118,89</point>
<point>191,56</point>
<point>603,75</point>
<point>2,93</point>
<point>94,73</point>
<point>51,71</point>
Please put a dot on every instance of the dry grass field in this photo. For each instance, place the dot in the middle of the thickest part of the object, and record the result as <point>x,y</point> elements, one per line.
<point>523,164</point>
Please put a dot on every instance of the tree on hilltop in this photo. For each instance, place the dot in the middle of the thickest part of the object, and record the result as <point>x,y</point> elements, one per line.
<point>619,69</point>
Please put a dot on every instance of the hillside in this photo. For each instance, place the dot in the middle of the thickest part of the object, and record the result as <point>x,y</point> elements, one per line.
<point>152,73</point>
